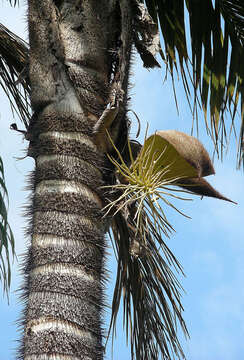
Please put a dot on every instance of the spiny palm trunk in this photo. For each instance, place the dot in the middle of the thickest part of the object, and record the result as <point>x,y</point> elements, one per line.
<point>71,72</point>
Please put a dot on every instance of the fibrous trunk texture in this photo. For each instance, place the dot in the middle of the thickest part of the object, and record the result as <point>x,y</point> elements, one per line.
<point>75,59</point>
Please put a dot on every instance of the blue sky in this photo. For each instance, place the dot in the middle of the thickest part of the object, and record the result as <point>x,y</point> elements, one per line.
<point>210,245</point>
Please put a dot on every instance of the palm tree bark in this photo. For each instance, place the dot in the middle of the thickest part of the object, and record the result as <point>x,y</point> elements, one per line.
<point>76,49</point>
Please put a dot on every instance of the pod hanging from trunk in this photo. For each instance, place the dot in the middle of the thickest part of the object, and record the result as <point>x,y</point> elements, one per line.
<point>184,159</point>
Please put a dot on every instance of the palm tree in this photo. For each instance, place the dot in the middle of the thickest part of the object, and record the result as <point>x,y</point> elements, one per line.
<point>76,74</point>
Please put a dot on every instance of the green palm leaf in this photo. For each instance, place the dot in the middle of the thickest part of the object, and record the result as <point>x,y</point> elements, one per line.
<point>13,2</point>
<point>215,40</point>
<point>15,84</point>
<point>151,293</point>
<point>6,236</point>
<point>13,72</point>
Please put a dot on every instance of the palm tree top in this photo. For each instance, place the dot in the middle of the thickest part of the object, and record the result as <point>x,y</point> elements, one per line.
<point>205,48</point>
<point>208,54</point>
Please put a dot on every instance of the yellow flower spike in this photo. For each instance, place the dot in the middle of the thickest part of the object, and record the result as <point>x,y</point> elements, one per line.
<point>166,158</point>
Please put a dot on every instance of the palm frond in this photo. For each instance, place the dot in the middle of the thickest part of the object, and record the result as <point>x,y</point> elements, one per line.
<point>7,245</point>
<point>151,293</point>
<point>233,13</point>
<point>14,72</point>
<point>215,39</point>
<point>15,83</point>
<point>13,2</point>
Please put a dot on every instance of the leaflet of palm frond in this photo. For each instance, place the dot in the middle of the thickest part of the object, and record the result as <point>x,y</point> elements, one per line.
<point>13,49</point>
<point>14,56</point>
<point>7,244</point>
<point>233,11</point>
<point>217,73</point>
<point>14,2</point>
<point>201,187</point>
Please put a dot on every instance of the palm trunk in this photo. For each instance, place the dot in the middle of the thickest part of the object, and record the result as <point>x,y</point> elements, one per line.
<point>71,72</point>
